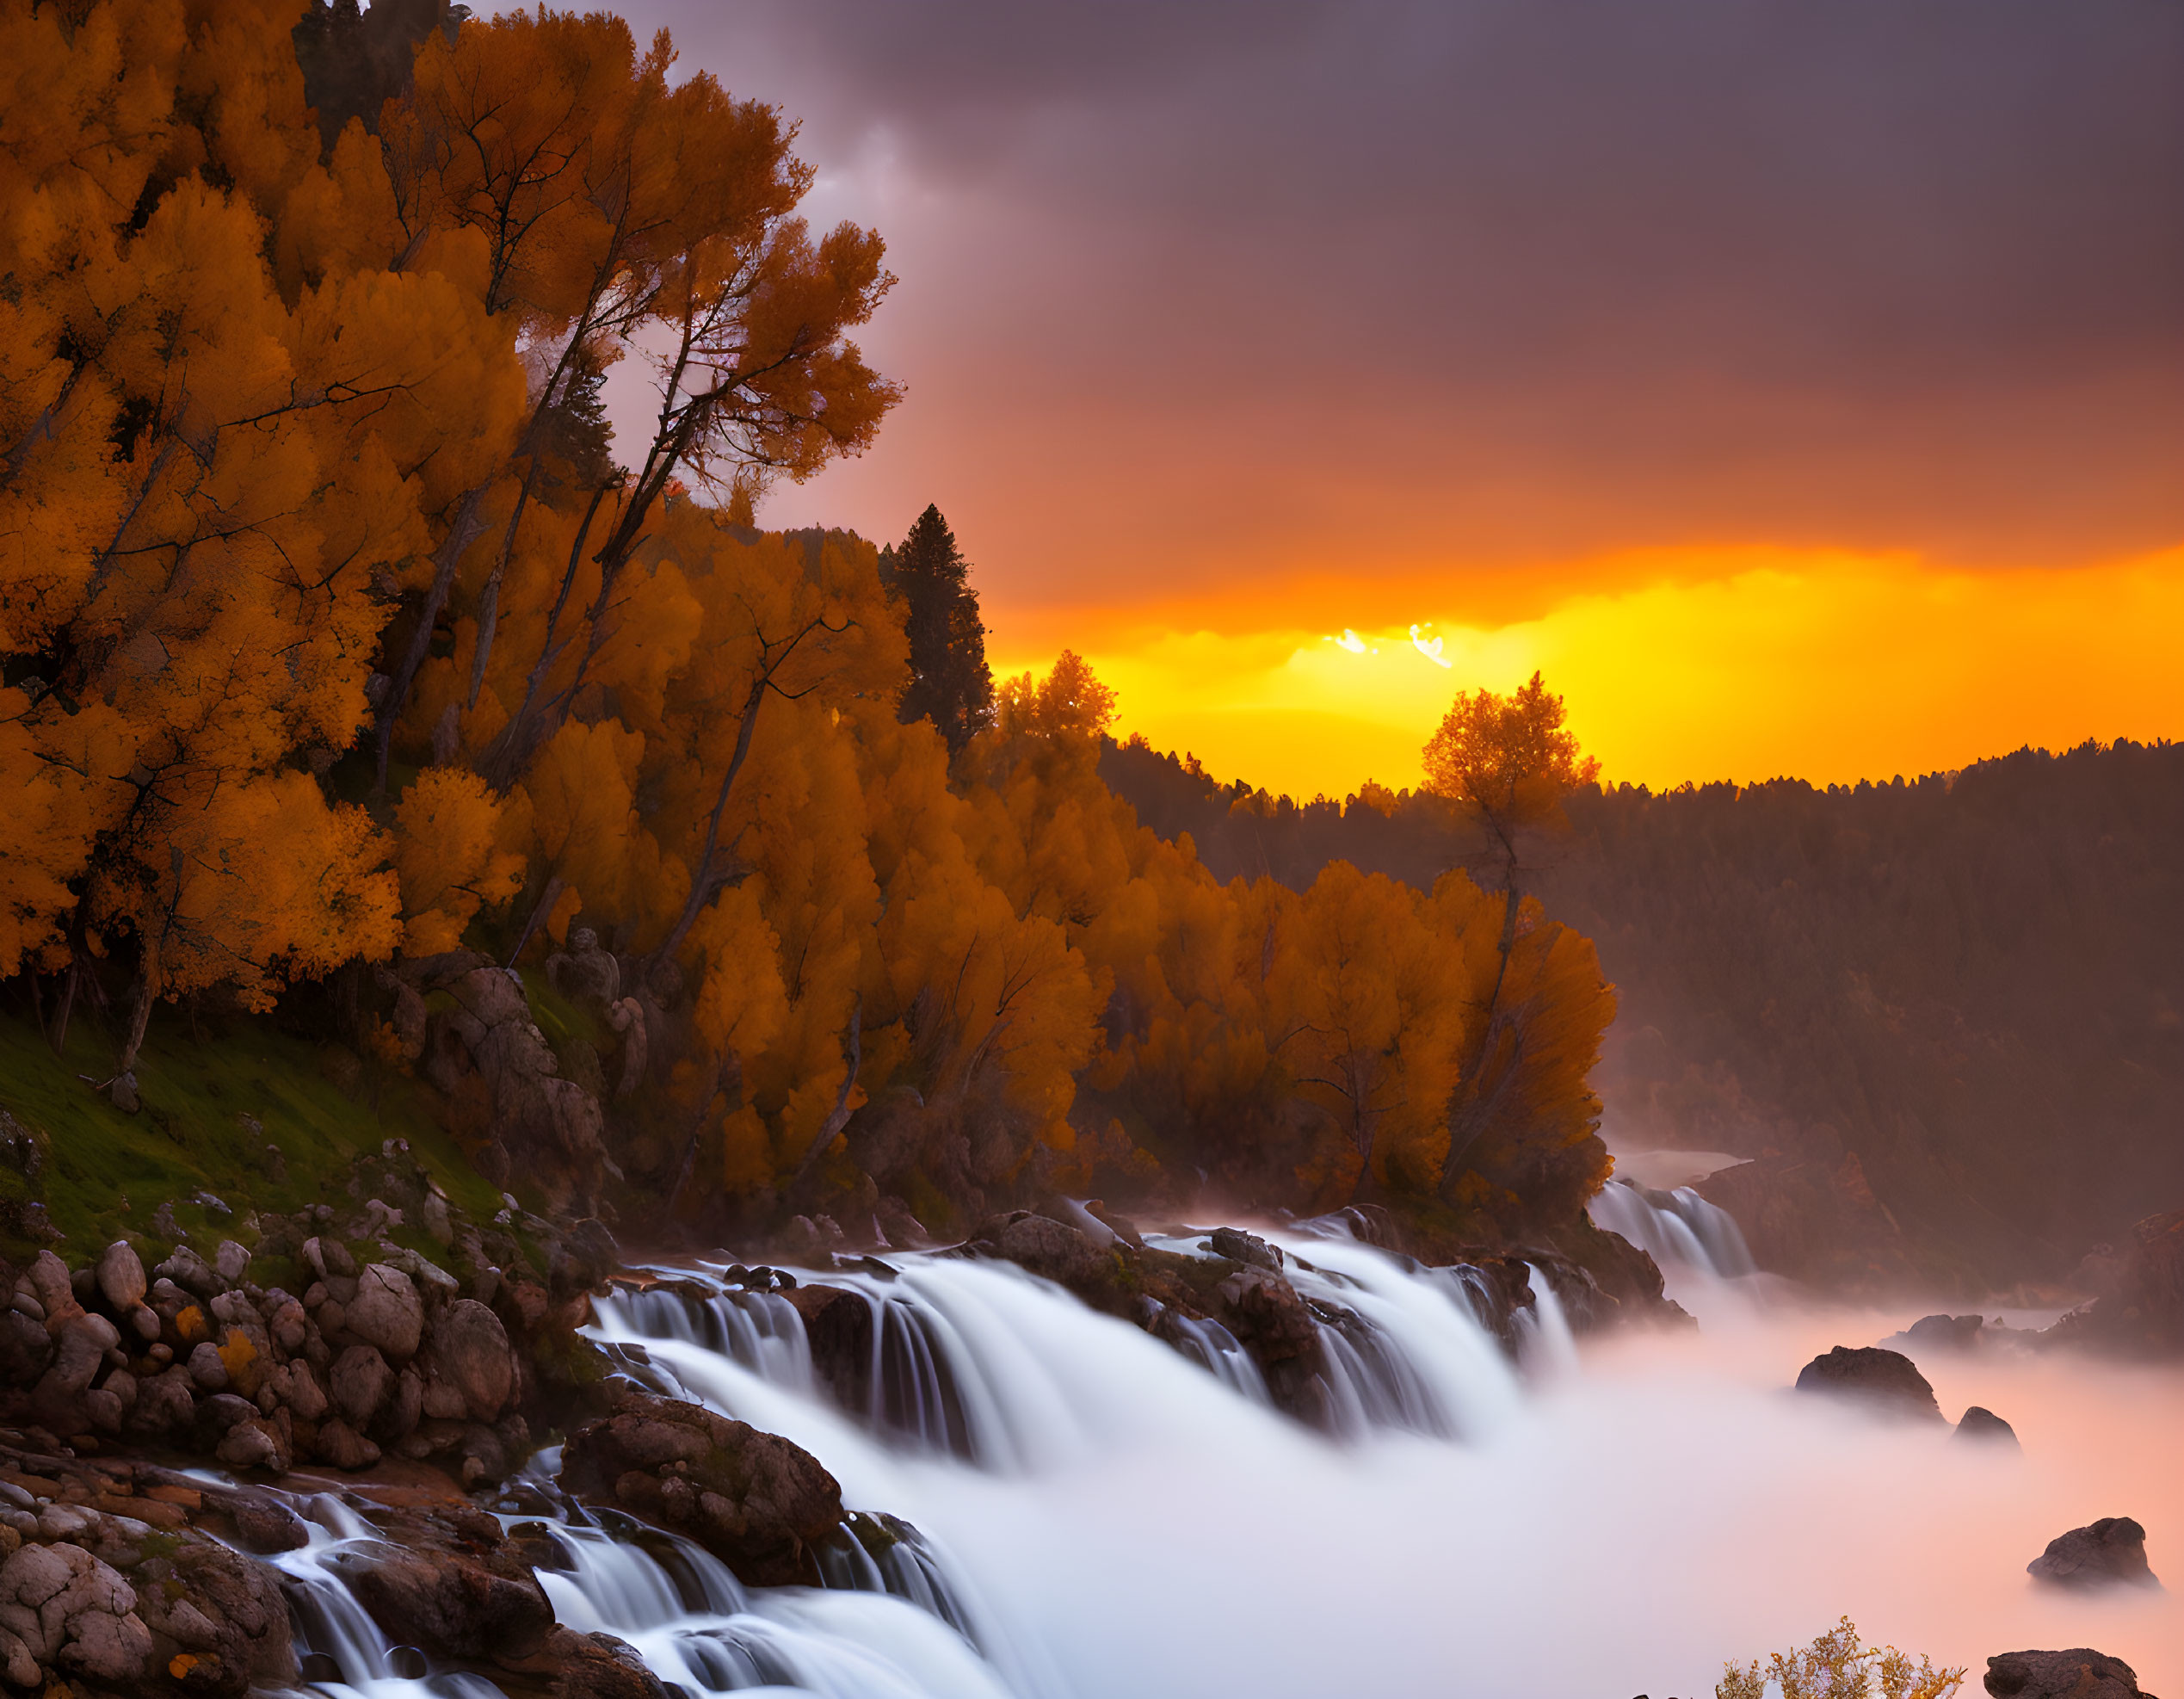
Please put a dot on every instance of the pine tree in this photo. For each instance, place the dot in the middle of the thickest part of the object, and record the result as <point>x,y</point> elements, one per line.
<point>950,684</point>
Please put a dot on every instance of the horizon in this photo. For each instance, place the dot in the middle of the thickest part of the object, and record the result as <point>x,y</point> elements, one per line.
<point>1797,399</point>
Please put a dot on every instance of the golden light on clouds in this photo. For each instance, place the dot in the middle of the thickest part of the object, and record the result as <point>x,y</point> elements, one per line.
<point>1827,666</point>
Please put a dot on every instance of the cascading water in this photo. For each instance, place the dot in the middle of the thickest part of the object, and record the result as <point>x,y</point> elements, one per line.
<point>1098,1513</point>
<point>1678,1229</point>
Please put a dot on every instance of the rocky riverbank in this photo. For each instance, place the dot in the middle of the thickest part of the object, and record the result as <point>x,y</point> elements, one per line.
<point>163,1408</point>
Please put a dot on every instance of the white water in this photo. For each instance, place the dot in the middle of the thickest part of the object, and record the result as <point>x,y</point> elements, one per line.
<point>1106,1518</point>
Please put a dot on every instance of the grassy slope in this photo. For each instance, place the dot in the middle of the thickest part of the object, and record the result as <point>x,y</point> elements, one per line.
<point>105,1173</point>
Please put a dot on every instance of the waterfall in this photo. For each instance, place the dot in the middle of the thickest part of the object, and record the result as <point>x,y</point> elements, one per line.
<point>1048,1503</point>
<point>1678,1229</point>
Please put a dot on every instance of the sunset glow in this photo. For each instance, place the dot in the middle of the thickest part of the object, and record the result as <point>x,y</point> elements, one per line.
<point>1828,667</point>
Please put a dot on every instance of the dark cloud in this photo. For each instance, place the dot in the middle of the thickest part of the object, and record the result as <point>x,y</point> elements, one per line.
<point>1508,279</point>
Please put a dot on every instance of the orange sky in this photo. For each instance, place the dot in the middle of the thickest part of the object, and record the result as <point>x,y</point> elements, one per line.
<point>1801,389</point>
<point>1827,667</point>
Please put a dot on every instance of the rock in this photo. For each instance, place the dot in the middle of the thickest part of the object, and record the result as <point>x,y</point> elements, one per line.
<point>25,1349</point>
<point>471,1356</point>
<point>2081,1673</point>
<point>837,1326</point>
<point>121,1092</point>
<point>47,1278</point>
<point>358,1384</point>
<point>191,1272</point>
<point>121,1277</point>
<point>585,974</point>
<point>253,1444</point>
<point>342,1446</point>
<point>755,1500</point>
<point>2109,1553</point>
<point>1886,1381</point>
<point>1944,1332</point>
<point>453,1604</point>
<point>1988,1429</point>
<point>232,1261</point>
<point>69,1611</point>
<point>165,1403</point>
<point>2142,1307</point>
<point>268,1525</point>
<point>387,1312</point>
<point>1243,1247</point>
<point>207,1372</point>
<point>599,1666</point>
<point>1063,1254</point>
<point>226,1614</point>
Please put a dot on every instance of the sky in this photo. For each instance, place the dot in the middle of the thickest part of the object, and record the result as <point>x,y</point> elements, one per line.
<point>1799,386</point>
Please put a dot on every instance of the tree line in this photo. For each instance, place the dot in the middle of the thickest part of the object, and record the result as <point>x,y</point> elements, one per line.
<point>341,638</point>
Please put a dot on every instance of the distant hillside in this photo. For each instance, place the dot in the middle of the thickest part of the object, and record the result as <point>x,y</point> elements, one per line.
<point>1947,1016</point>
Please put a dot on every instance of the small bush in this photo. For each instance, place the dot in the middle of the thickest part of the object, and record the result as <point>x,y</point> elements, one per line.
<point>1838,1667</point>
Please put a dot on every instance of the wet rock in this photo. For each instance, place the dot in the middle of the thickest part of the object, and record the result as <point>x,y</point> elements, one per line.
<point>221,1617</point>
<point>599,1666</point>
<point>2109,1553</point>
<point>1887,1382</point>
<point>387,1312</point>
<point>1246,1248</point>
<point>2080,1674</point>
<point>1063,1254</point>
<point>121,1277</point>
<point>459,1603</point>
<point>253,1444</point>
<point>837,1324</point>
<point>268,1525</point>
<point>1988,1429</point>
<point>755,1500</point>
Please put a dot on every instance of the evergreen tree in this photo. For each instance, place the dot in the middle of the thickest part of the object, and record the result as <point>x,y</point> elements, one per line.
<point>950,684</point>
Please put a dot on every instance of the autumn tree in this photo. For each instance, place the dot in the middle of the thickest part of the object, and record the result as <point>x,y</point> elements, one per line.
<point>949,682</point>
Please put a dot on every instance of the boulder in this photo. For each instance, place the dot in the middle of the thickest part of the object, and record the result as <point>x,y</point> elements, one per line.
<point>1988,1429</point>
<point>121,1277</point>
<point>2080,1674</point>
<point>2110,1553</point>
<point>358,1384</point>
<point>2142,1307</point>
<point>599,1666</point>
<point>269,1525</point>
<point>1887,1382</point>
<point>454,1604</point>
<point>1243,1247</point>
<point>387,1313</point>
<point>61,1607</point>
<point>342,1446</point>
<point>837,1325</point>
<point>230,1262</point>
<point>221,1618</point>
<point>1063,1254</point>
<point>755,1500</point>
<point>191,1272</point>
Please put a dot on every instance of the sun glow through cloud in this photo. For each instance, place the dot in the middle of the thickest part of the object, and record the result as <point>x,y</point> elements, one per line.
<point>1827,666</point>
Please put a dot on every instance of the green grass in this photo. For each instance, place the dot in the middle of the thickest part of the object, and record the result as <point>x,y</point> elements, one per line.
<point>105,1173</point>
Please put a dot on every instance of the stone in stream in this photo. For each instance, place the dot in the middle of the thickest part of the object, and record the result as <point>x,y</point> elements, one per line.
<point>1984,1425</point>
<point>1886,1381</point>
<point>2109,1553</point>
<point>755,1500</point>
<point>2079,1673</point>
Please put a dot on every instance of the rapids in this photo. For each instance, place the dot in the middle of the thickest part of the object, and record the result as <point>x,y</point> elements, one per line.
<point>1099,1515</point>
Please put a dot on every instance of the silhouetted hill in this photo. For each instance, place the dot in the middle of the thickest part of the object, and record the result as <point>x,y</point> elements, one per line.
<point>1954,1007</point>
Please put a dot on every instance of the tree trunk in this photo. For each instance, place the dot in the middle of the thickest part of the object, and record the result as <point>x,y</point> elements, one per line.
<point>58,1036</point>
<point>839,1118</point>
<point>461,534</point>
<point>140,1002</point>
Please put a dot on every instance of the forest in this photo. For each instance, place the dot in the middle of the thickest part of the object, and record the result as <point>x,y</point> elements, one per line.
<point>1945,1016</point>
<point>360,684</point>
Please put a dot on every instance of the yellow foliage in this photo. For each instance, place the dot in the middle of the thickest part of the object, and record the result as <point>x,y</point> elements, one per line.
<point>447,858</point>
